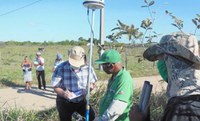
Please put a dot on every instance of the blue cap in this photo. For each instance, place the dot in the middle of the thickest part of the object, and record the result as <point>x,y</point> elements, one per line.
<point>59,56</point>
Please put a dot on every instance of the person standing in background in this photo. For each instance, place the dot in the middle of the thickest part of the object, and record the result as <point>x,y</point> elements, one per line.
<point>58,61</point>
<point>40,73</point>
<point>27,72</point>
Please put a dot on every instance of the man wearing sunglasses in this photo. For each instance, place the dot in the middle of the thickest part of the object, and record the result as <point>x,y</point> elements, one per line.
<point>116,102</point>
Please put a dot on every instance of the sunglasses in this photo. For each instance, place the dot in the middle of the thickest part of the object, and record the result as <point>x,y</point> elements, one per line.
<point>108,65</point>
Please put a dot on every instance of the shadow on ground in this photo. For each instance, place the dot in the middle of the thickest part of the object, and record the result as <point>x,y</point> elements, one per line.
<point>48,93</point>
<point>6,83</point>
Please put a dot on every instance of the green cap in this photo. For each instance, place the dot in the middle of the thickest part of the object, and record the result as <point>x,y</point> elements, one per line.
<point>109,56</point>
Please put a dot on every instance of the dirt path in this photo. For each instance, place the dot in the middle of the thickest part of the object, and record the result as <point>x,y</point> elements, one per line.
<point>17,97</point>
<point>156,81</point>
<point>33,99</point>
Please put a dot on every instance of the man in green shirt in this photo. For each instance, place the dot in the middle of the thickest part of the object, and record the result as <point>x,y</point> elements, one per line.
<point>117,101</point>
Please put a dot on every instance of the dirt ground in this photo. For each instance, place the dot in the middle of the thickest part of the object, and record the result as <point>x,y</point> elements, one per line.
<point>157,82</point>
<point>34,99</point>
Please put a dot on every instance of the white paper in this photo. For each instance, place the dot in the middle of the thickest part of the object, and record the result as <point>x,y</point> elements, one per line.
<point>75,95</point>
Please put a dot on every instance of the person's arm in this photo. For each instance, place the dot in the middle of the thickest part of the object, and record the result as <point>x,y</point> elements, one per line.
<point>136,115</point>
<point>36,63</point>
<point>115,109</point>
<point>66,94</point>
<point>59,91</point>
<point>22,64</point>
<point>54,66</point>
<point>31,65</point>
<point>53,69</point>
<point>41,61</point>
<point>92,86</point>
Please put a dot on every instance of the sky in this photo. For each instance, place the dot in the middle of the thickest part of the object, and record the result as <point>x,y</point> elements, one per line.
<point>59,20</point>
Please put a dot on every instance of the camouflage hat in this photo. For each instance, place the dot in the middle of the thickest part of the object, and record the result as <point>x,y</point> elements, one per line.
<point>179,45</point>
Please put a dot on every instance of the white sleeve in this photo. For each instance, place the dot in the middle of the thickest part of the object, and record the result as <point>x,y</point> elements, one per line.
<point>55,81</point>
<point>115,109</point>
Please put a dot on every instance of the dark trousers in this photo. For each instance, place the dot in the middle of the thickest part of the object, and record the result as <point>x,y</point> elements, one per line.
<point>66,109</point>
<point>41,75</point>
<point>182,109</point>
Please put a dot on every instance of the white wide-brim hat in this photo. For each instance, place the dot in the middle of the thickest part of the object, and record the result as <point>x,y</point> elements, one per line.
<point>77,56</point>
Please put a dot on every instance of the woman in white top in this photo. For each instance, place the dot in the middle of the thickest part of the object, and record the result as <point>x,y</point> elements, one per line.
<point>27,72</point>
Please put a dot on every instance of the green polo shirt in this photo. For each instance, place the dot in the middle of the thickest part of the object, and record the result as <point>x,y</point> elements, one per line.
<point>120,88</point>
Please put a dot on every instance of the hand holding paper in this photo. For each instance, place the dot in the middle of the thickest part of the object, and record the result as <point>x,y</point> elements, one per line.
<point>72,95</point>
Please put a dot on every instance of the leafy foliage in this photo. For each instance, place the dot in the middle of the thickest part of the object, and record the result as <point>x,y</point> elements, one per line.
<point>196,22</point>
<point>178,23</point>
<point>148,4</point>
<point>123,29</point>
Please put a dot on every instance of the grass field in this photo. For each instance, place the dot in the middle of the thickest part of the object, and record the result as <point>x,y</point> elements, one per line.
<point>11,57</point>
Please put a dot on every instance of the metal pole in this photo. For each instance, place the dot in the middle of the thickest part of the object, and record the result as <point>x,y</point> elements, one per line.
<point>90,65</point>
<point>102,26</point>
<point>101,33</point>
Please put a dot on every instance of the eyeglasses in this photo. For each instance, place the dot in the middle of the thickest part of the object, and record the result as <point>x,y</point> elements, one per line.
<point>108,65</point>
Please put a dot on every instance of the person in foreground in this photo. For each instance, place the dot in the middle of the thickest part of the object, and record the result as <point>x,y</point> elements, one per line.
<point>136,115</point>
<point>70,83</point>
<point>179,65</point>
<point>117,101</point>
